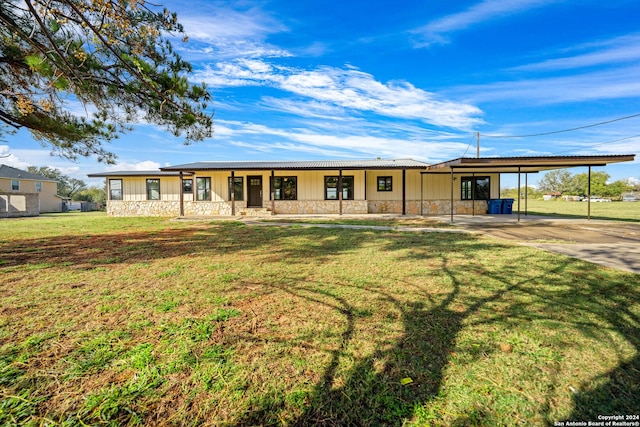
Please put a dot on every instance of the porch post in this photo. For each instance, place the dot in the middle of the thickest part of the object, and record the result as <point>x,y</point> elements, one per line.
<point>272,190</point>
<point>340,191</point>
<point>589,195</point>
<point>452,194</point>
<point>404,192</point>
<point>365,185</point>
<point>518,193</point>
<point>233,193</point>
<point>181,195</point>
<point>421,193</point>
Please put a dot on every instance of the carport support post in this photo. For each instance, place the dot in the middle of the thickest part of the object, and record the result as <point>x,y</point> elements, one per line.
<point>518,193</point>
<point>589,195</point>
<point>526,192</point>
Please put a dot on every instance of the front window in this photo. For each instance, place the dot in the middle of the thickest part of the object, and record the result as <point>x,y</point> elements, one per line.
<point>237,188</point>
<point>203,187</point>
<point>38,186</point>
<point>285,188</point>
<point>187,186</point>
<point>475,188</point>
<point>385,183</point>
<point>15,185</point>
<point>331,187</point>
<point>153,189</point>
<point>115,189</point>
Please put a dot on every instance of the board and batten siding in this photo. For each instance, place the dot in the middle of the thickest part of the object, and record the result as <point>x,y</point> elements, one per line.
<point>438,186</point>
<point>311,185</point>
<point>135,188</point>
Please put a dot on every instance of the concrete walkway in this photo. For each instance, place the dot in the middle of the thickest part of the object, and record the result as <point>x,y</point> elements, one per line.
<point>610,243</point>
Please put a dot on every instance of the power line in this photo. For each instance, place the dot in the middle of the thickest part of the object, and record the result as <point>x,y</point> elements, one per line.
<point>468,145</point>
<point>564,130</point>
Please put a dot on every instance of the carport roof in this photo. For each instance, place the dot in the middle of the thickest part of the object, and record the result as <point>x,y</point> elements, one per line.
<point>524,164</point>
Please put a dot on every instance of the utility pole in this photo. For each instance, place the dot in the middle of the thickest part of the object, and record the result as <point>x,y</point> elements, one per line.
<point>477,145</point>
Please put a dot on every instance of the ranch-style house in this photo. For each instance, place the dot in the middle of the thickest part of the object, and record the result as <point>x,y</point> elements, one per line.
<point>399,186</point>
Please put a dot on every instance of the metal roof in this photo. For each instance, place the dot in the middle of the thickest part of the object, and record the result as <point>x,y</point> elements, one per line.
<point>524,164</point>
<point>301,165</point>
<point>463,164</point>
<point>133,173</point>
<point>13,173</point>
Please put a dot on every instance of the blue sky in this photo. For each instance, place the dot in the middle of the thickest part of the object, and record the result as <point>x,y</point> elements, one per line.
<point>413,79</point>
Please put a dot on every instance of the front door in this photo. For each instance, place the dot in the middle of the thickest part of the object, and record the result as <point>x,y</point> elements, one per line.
<point>255,192</point>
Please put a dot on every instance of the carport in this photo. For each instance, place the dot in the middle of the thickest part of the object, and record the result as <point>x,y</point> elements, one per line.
<point>520,166</point>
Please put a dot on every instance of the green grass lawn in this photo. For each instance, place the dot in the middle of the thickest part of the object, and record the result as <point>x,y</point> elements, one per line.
<point>132,321</point>
<point>620,211</point>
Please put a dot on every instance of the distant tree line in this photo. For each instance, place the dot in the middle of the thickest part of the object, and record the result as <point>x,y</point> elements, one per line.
<point>73,188</point>
<point>562,182</point>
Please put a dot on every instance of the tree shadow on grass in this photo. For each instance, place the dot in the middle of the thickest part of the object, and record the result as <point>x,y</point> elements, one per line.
<point>618,390</point>
<point>387,386</point>
<point>371,392</point>
<point>132,247</point>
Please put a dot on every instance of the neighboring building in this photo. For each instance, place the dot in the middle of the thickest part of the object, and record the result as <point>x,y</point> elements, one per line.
<point>401,186</point>
<point>26,194</point>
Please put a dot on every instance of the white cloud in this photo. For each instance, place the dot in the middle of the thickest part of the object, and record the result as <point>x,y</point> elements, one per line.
<point>228,33</point>
<point>146,165</point>
<point>7,157</point>
<point>598,85</point>
<point>436,32</point>
<point>343,141</point>
<point>607,52</point>
<point>348,89</point>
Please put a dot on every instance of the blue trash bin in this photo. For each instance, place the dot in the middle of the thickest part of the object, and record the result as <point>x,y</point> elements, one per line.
<point>494,206</point>
<point>507,206</point>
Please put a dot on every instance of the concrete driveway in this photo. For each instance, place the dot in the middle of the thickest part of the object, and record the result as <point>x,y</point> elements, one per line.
<point>609,243</point>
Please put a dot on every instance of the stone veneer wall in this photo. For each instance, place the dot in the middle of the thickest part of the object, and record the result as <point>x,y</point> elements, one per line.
<point>319,207</point>
<point>296,207</point>
<point>429,207</point>
<point>192,208</point>
<point>143,208</point>
<point>170,208</point>
<point>460,207</point>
